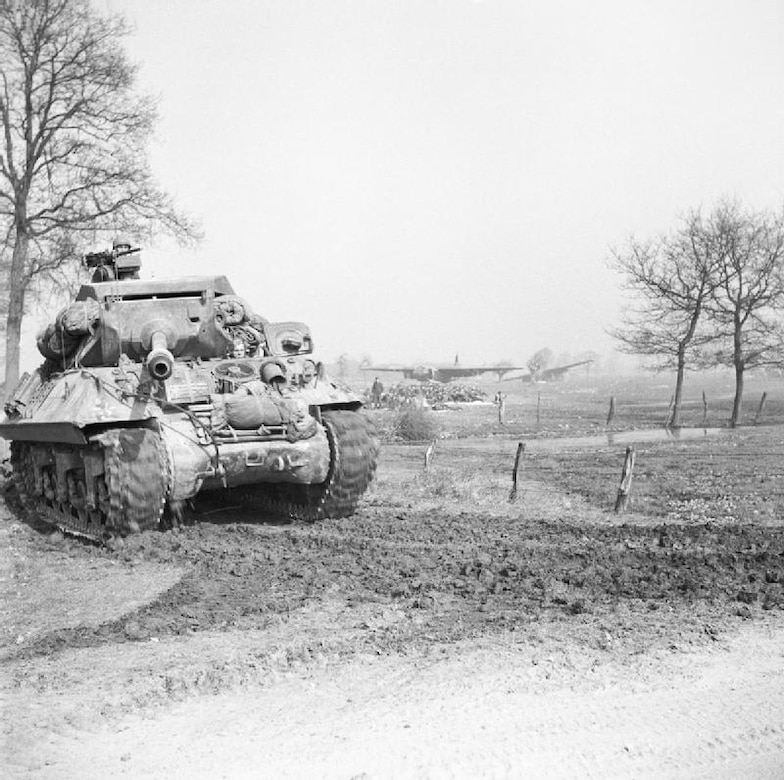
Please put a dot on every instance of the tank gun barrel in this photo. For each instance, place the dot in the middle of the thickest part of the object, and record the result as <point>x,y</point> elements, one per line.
<point>160,361</point>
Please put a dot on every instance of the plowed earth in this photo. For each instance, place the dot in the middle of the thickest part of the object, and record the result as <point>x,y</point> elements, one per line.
<point>550,594</point>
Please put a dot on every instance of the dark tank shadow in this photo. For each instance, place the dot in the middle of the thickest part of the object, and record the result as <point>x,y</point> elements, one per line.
<point>20,514</point>
<point>221,507</point>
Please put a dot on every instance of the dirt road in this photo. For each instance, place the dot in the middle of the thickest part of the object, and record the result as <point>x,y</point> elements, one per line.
<point>479,709</point>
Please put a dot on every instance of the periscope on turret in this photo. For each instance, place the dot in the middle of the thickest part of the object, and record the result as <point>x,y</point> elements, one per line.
<point>153,391</point>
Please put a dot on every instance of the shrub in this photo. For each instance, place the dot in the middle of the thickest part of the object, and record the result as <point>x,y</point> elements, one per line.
<point>416,425</point>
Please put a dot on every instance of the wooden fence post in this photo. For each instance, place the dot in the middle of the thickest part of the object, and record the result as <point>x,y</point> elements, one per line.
<point>513,491</point>
<point>761,407</point>
<point>538,408</point>
<point>624,491</point>
<point>704,409</point>
<point>429,452</point>
<point>611,412</point>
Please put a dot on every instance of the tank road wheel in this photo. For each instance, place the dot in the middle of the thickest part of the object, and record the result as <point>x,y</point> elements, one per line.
<point>135,480</point>
<point>87,521</point>
<point>23,474</point>
<point>354,447</point>
<point>129,494</point>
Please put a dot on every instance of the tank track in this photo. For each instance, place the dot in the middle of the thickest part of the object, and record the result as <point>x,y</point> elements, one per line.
<point>130,492</point>
<point>354,448</point>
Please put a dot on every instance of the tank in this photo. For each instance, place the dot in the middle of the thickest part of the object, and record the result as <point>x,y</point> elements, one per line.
<point>153,392</point>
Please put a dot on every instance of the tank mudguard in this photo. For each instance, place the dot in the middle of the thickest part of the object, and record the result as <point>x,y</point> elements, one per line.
<point>57,408</point>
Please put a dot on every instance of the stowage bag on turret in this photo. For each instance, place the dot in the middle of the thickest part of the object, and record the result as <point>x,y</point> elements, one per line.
<point>79,318</point>
<point>55,344</point>
<point>61,337</point>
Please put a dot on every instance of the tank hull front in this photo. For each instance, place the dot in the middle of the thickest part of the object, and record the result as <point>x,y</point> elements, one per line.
<point>204,465</point>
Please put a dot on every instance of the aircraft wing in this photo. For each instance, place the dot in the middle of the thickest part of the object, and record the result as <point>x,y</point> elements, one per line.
<point>474,370</point>
<point>447,373</point>
<point>441,373</point>
<point>557,371</point>
<point>386,368</point>
<point>422,373</point>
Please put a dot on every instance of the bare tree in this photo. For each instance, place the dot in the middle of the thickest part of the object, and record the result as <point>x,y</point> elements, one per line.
<point>73,136</point>
<point>747,302</point>
<point>672,278</point>
<point>539,361</point>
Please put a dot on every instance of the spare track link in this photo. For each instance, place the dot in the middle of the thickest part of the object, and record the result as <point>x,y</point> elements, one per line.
<point>354,447</point>
<point>130,494</point>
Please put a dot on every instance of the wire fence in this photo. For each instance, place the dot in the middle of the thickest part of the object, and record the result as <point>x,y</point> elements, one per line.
<point>619,406</point>
<point>719,478</point>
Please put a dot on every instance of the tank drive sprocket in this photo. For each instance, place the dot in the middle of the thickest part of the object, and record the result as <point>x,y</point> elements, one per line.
<point>354,447</point>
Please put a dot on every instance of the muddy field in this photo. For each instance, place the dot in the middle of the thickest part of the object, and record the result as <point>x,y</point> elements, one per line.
<point>435,561</point>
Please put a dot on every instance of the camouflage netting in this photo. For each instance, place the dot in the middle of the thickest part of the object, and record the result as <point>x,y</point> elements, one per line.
<point>61,338</point>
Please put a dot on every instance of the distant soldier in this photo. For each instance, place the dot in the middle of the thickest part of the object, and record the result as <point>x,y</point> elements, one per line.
<point>375,394</point>
<point>500,402</point>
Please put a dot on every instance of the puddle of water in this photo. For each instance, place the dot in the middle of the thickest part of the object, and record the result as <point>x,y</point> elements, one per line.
<point>609,439</point>
<point>612,438</point>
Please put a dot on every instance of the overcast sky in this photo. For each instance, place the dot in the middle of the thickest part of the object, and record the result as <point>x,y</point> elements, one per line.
<point>417,179</point>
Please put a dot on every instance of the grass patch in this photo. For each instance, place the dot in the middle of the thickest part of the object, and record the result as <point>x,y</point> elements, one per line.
<point>732,478</point>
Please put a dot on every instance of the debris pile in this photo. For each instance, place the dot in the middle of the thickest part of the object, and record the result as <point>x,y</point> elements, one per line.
<point>433,394</point>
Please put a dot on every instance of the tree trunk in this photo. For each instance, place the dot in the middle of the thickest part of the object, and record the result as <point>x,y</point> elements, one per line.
<point>16,296</point>
<point>675,420</point>
<point>738,394</point>
<point>740,365</point>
